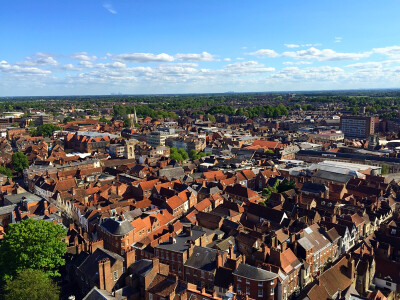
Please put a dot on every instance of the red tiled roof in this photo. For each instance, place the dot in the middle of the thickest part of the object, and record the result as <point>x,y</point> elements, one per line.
<point>174,202</point>
<point>267,144</point>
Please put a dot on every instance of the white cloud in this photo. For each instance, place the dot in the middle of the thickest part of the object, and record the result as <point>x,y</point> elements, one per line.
<point>292,45</point>
<point>143,57</point>
<point>83,56</point>
<point>109,7</point>
<point>365,65</point>
<point>70,67</point>
<point>16,69</point>
<point>39,59</point>
<point>264,52</point>
<point>297,63</point>
<point>324,55</point>
<point>338,39</point>
<point>323,73</point>
<point>204,56</point>
<point>86,64</point>
<point>227,59</point>
<point>245,68</point>
<point>301,45</point>
<point>392,51</point>
<point>239,58</point>
<point>117,65</point>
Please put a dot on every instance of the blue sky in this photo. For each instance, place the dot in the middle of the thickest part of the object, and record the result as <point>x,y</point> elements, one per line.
<point>76,47</point>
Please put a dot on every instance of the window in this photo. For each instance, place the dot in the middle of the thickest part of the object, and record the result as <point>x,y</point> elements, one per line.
<point>187,271</point>
<point>247,290</point>
<point>247,281</point>
<point>202,274</point>
<point>260,293</point>
<point>271,292</point>
<point>271,282</point>
<point>150,296</point>
<point>388,283</point>
<point>115,275</point>
<point>260,284</point>
<point>239,279</point>
<point>239,290</point>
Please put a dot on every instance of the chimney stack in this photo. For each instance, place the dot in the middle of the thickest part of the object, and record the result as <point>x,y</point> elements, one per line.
<point>129,258</point>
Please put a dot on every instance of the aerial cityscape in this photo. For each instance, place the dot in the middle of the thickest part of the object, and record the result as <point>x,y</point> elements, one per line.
<point>200,150</point>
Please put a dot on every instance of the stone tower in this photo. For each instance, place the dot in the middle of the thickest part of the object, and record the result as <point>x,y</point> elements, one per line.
<point>130,148</point>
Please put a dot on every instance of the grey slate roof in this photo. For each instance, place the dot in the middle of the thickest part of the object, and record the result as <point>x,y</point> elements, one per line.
<point>314,188</point>
<point>203,258</point>
<point>7,209</point>
<point>90,265</point>
<point>181,243</point>
<point>17,198</point>
<point>342,178</point>
<point>116,227</point>
<point>254,273</point>
<point>141,267</point>
<point>172,173</point>
<point>97,294</point>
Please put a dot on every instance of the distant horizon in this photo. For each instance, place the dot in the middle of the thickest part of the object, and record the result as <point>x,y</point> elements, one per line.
<point>221,93</point>
<point>194,47</point>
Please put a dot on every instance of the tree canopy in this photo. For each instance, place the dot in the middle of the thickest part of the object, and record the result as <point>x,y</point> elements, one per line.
<point>5,171</point>
<point>32,244</point>
<point>19,161</point>
<point>178,154</point>
<point>46,130</point>
<point>31,285</point>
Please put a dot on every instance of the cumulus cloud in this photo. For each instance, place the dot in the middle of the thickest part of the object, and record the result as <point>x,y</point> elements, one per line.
<point>324,55</point>
<point>144,57</point>
<point>86,64</point>
<point>322,73</point>
<point>187,70</point>
<point>204,56</point>
<point>264,52</point>
<point>83,56</point>
<point>39,59</point>
<point>365,65</point>
<point>245,68</point>
<point>312,53</point>
<point>392,51</point>
<point>69,67</point>
<point>297,63</point>
<point>16,69</point>
<point>301,45</point>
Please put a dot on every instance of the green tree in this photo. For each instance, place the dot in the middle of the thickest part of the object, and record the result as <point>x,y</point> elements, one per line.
<point>5,171</point>
<point>67,119</point>
<point>31,285</point>
<point>385,168</point>
<point>193,154</point>
<point>19,161</point>
<point>285,185</point>
<point>102,119</point>
<point>267,191</point>
<point>211,118</point>
<point>32,244</point>
<point>174,154</point>
<point>46,130</point>
<point>183,153</point>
